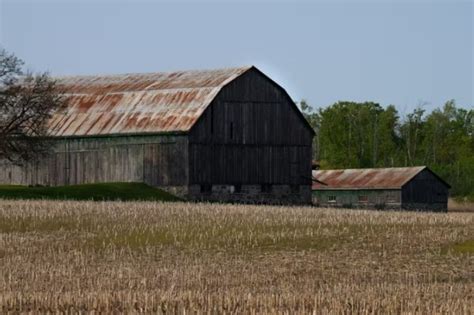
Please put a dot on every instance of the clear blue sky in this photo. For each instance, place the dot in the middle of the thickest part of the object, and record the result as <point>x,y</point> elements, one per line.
<point>391,52</point>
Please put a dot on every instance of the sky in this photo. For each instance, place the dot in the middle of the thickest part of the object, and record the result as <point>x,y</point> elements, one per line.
<point>406,53</point>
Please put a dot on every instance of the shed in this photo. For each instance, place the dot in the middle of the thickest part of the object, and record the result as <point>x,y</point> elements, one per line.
<point>411,188</point>
<point>226,134</point>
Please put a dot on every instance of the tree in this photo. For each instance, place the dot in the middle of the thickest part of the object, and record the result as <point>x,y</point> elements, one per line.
<point>412,133</point>
<point>26,104</point>
<point>389,141</point>
<point>355,135</point>
<point>358,135</point>
<point>314,120</point>
<point>448,146</point>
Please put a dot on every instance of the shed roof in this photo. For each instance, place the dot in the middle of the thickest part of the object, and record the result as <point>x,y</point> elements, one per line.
<point>364,178</point>
<point>137,103</point>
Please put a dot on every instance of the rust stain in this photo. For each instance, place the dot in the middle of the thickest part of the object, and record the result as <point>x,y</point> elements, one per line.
<point>136,103</point>
<point>106,122</point>
<point>368,178</point>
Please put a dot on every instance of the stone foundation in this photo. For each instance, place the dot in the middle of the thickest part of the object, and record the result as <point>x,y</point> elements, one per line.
<point>368,206</point>
<point>255,194</point>
<point>436,207</point>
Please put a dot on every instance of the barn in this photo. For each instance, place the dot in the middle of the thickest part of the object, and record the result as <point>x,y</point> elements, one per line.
<point>221,135</point>
<point>410,188</point>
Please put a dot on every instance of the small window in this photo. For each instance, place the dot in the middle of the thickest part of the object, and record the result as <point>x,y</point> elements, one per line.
<point>363,198</point>
<point>205,188</point>
<point>331,198</point>
<point>266,188</point>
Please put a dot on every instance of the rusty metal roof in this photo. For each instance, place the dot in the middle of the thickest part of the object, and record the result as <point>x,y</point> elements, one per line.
<point>364,178</point>
<point>137,103</point>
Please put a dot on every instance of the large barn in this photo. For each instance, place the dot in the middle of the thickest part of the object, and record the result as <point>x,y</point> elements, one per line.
<point>226,135</point>
<point>411,188</point>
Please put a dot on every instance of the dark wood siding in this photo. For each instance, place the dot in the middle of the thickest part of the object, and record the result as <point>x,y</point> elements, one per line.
<point>156,160</point>
<point>425,188</point>
<point>252,133</point>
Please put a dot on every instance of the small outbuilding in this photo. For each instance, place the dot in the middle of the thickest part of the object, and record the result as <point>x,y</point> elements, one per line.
<point>410,188</point>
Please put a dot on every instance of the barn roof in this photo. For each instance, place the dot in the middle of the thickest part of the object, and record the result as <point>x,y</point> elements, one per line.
<point>364,178</point>
<point>137,103</point>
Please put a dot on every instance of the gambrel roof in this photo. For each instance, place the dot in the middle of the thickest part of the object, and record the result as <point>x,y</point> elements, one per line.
<point>137,103</point>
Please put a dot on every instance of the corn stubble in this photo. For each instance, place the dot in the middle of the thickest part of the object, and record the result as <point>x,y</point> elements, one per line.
<point>81,257</point>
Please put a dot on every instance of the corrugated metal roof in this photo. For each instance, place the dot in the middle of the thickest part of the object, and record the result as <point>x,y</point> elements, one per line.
<point>364,178</point>
<point>137,103</point>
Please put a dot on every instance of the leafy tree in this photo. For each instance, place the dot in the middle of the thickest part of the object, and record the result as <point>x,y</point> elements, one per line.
<point>26,104</point>
<point>412,135</point>
<point>389,141</point>
<point>448,146</point>
<point>356,135</point>
<point>314,120</point>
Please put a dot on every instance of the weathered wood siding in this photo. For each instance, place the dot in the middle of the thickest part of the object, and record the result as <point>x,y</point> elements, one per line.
<point>156,160</point>
<point>252,133</point>
<point>351,198</point>
<point>425,190</point>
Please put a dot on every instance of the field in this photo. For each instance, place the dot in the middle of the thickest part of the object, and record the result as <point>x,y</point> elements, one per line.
<point>460,205</point>
<point>83,256</point>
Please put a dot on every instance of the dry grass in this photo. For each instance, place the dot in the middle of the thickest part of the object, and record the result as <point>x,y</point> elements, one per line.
<point>460,206</point>
<point>151,257</point>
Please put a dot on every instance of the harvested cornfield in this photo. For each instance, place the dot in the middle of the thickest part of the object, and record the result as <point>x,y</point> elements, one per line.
<point>460,205</point>
<point>70,256</point>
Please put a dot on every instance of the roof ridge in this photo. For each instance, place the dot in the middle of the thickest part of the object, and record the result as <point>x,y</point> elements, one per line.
<point>125,74</point>
<point>371,168</point>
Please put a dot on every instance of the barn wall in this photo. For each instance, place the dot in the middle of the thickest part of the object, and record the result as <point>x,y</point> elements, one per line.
<point>376,199</point>
<point>251,143</point>
<point>156,160</point>
<point>425,191</point>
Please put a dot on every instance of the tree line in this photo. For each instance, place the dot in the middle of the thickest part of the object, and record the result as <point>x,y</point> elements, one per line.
<point>365,135</point>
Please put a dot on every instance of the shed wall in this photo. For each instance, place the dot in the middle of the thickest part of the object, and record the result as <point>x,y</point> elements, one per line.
<point>425,191</point>
<point>378,199</point>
